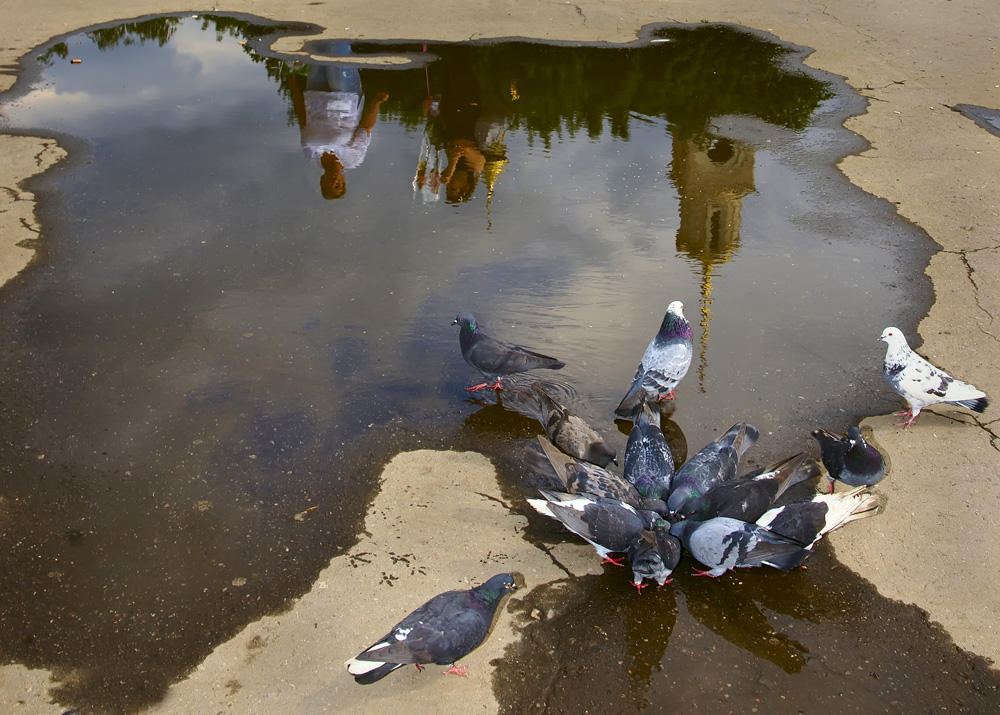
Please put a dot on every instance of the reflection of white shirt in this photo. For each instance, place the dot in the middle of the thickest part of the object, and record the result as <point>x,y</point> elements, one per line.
<point>332,126</point>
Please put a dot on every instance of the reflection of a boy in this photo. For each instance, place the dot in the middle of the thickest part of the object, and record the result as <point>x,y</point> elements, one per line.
<point>334,124</point>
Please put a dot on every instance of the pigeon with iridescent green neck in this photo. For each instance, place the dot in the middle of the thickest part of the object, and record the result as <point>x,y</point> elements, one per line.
<point>448,627</point>
<point>496,358</point>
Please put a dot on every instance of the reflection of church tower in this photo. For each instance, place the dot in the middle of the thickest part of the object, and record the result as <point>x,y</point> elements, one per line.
<point>711,182</point>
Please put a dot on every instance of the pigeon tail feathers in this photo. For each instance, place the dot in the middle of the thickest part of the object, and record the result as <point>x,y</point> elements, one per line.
<point>976,405</point>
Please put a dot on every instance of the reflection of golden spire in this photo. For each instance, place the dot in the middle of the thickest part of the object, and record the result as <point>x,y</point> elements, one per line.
<point>711,181</point>
<point>491,172</point>
<point>705,306</point>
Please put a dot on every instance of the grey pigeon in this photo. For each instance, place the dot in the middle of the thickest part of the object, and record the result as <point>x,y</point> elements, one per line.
<point>807,521</point>
<point>722,544</point>
<point>609,525</point>
<point>567,431</point>
<point>748,496</point>
<point>496,358</point>
<point>648,463</point>
<point>920,383</point>
<point>612,526</point>
<point>663,365</point>
<point>849,458</point>
<point>574,477</point>
<point>446,628</point>
<point>717,462</point>
<point>653,555</point>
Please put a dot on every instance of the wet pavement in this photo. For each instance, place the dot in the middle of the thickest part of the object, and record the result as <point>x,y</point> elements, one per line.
<point>214,356</point>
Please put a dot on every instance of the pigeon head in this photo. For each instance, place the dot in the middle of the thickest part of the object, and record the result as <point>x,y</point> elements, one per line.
<point>893,337</point>
<point>675,325</point>
<point>493,591</point>
<point>854,435</point>
<point>467,321</point>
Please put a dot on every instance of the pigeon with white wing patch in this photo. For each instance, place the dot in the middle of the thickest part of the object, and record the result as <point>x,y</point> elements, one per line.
<point>448,627</point>
<point>920,383</point>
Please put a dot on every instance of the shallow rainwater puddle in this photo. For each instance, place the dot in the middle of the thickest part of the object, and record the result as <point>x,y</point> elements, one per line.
<point>230,330</point>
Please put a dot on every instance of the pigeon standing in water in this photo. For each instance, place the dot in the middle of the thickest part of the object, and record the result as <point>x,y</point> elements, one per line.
<point>653,555</point>
<point>722,544</point>
<point>663,365</point>
<point>496,358</point>
<point>748,496</point>
<point>573,477</point>
<point>609,525</point>
<point>612,526</point>
<point>850,458</point>
<point>567,431</point>
<point>920,383</point>
<point>649,464</point>
<point>446,628</point>
<point>717,462</point>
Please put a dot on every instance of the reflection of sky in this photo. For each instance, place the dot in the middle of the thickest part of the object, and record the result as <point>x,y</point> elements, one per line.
<point>111,89</point>
<point>209,193</point>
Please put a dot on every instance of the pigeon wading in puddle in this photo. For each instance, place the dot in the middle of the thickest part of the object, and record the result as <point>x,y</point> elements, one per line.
<point>496,358</point>
<point>565,430</point>
<point>663,365</point>
<point>920,383</point>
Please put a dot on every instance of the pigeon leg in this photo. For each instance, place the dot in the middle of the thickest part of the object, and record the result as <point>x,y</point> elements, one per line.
<point>829,484</point>
<point>458,670</point>
<point>639,586</point>
<point>480,386</point>
<point>497,385</point>
<point>669,396</point>
<point>903,412</point>
<point>620,561</point>
<point>418,667</point>
<point>698,572</point>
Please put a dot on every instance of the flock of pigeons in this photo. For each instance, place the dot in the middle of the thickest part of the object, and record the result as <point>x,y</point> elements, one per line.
<point>723,517</point>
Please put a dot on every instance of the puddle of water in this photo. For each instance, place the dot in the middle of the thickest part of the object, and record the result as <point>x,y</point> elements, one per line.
<point>217,339</point>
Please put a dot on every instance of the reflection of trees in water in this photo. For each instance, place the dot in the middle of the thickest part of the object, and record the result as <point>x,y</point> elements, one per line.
<point>698,74</point>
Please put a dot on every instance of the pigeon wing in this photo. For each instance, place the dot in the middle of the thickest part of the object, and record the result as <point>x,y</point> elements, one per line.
<point>497,357</point>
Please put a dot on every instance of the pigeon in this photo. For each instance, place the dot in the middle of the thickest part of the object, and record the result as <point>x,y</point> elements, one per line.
<point>609,525</point>
<point>648,463</point>
<point>722,544</point>
<point>807,521</point>
<point>575,477</point>
<point>747,497</point>
<point>567,431</point>
<point>496,358</point>
<point>664,363</point>
<point>446,628</point>
<point>850,458</point>
<point>653,555</point>
<point>717,462</point>
<point>920,383</point>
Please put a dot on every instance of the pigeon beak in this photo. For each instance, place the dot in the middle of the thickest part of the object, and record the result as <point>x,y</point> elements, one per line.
<point>454,322</point>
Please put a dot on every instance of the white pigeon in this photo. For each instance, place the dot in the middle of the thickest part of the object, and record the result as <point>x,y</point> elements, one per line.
<point>920,383</point>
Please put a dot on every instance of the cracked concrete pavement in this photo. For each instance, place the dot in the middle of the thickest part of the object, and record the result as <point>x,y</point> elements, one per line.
<point>913,59</point>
